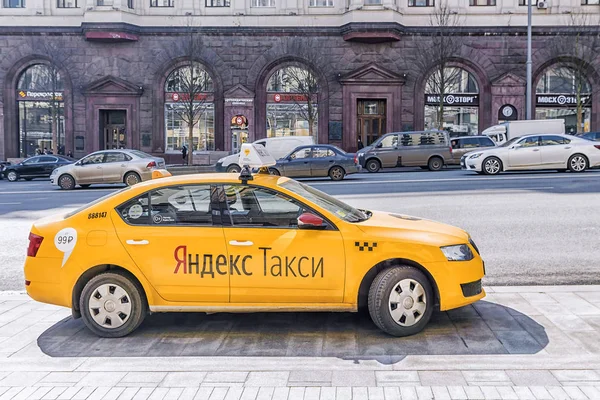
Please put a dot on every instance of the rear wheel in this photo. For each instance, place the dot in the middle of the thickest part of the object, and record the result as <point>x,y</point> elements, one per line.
<point>492,166</point>
<point>577,163</point>
<point>66,182</point>
<point>435,164</point>
<point>12,176</point>
<point>337,173</point>
<point>274,171</point>
<point>401,301</point>
<point>112,305</point>
<point>131,178</point>
<point>373,165</point>
<point>233,169</point>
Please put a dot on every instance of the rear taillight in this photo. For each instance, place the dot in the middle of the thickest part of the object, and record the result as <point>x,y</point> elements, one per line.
<point>450,149</point>
<point>597,146</point>
<point>356,159</point>
<point>151,164</point>
<point>35,241</point>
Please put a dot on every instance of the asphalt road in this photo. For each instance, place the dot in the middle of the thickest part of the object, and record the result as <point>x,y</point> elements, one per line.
<point>531,228</point>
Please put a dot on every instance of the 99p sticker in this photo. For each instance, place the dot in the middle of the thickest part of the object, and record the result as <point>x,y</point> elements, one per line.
<point>65,241</point>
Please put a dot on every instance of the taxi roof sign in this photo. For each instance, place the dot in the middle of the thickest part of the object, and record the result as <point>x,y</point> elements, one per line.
<point>255,156</point>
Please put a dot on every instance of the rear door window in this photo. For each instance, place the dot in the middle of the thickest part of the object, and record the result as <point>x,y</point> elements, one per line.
<point>486,142</point>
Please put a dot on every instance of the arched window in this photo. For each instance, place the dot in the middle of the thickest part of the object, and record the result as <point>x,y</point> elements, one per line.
<point>564,92</point>
<point>457,111</point>
<point>189,102</point>
<point>40,91</point>
<point>292,103</point>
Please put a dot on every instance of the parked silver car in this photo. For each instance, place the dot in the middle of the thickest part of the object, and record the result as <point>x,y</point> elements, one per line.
<point>107,166</point>
<point>464,144</point>
<point>317,161</point>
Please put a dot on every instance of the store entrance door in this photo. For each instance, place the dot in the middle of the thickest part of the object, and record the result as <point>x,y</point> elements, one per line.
<point>113,132</point>
<point>238,137</point>
<point>371,120</point>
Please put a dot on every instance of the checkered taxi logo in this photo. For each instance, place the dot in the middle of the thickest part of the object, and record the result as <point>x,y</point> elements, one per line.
<point>365,246</point>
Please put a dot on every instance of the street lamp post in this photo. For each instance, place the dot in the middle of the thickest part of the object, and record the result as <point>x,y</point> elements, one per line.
<point>529,85</point>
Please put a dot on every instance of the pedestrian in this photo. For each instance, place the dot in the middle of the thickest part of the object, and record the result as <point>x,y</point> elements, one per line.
<point>184,152</point>
<point>45,150</point>
<point>70,154</point>
<point>38,151</point>
<point>360,144</point>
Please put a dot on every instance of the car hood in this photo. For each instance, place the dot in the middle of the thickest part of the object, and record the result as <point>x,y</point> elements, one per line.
<point>493,151</point>
<point>413,229</point>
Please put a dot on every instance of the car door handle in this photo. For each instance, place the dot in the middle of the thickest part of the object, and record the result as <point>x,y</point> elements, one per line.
<point>535,150</point>
<point>245,243</point>
<point>568,147</point>
<point>137,242</point>
<point>123,165</point>
<point>98,167</point>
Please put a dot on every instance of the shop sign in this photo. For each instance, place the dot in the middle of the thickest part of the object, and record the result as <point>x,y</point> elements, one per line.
<point>186,97</point>
<point>560,100</point>
<point>289,98</point>
<point>453,99</point>
<point>40,96</point>
<point>239,102</point>
<point>239,120</point>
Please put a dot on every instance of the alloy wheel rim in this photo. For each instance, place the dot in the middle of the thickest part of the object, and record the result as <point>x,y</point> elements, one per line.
<point>407,302</point>
<point>372,166</point>
<point>110,306</point>
<point>132,180</point>
<point>436,164</point>
<point>337,173</point>
<point>492,166</point>
<point>12,176</point>
<point>578,163</point>
<point>65,182</point>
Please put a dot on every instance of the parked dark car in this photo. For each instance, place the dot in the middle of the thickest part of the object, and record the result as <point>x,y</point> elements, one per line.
<point>595,136</point>
<point>317,161</point>
<point>35,167</point>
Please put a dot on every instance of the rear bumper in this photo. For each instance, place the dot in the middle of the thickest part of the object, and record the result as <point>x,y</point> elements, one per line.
<point>45,278</point>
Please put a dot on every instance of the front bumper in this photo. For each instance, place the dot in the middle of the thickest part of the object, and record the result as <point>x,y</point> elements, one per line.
<point>470,164</point>
<point>458,282</point>
<point>219,167</point>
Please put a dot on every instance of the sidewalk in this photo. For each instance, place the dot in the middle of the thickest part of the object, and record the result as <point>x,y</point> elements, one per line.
<point>518,343</point>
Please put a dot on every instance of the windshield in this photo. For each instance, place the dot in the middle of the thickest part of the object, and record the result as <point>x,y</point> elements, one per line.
<point>140,154</point>
<point>323,200</point>
<point>510,142</point>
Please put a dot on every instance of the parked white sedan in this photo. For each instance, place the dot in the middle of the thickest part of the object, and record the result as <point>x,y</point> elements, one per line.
<point>535,152</point>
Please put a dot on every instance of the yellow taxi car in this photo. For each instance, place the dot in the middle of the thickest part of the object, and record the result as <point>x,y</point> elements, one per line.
<point>246,243</point>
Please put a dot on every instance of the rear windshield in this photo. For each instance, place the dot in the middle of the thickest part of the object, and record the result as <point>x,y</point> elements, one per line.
<point>93,203</point>
<point>140,154</point>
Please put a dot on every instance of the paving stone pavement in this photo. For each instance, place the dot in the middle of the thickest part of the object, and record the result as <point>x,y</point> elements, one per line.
<point>519,343</point>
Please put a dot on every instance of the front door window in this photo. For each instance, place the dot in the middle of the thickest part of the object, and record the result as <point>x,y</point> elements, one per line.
<point>277,261</point>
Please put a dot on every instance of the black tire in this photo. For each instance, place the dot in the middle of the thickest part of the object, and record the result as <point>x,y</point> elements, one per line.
<point>435,164</point>
<point>578,163</point>
<point>66,182</point>
<point>274,171</point>
<point>131,178</point>
<point>134,298</point>
<point>12,176</point>
<point>234,169</point>
<point>380,305</point>
<point>491,166</point>
<point>87,185</point>
<point>336,173</point>
<point>373,165</point>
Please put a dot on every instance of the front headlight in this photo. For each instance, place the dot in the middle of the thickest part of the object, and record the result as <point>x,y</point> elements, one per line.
<point>459,252</point>
<point>220,160</point>
<point>476,155</point>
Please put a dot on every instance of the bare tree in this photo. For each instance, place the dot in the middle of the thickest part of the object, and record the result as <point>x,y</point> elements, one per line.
<point>576,51</point>
<point>439,45</point>
<point>191,81</point>
<point>60,58</point>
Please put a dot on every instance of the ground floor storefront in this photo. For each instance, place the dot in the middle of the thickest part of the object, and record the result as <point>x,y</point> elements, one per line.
<point>338,90</point>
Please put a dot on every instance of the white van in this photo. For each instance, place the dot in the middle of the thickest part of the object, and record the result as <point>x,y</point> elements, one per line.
<point>507,130</point>
<point>278,147</point>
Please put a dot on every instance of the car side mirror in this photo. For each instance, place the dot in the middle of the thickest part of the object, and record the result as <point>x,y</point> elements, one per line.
<point>309,220</point>
<point>379,145</point>
<point>516,146</point>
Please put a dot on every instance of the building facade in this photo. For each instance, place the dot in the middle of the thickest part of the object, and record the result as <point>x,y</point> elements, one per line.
<point>84,75</point>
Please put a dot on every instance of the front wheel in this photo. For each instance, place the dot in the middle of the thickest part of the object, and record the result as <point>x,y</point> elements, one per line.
<point>112,305</point>
<point>492,166</point>
<point>337,173</point>
<point>12,176</point>
<point>131,178</point>
<point>66,182</point>
<point>274,171</point>
<point>373,165</point>
<point>577,163</point>
<point>401,301</point>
